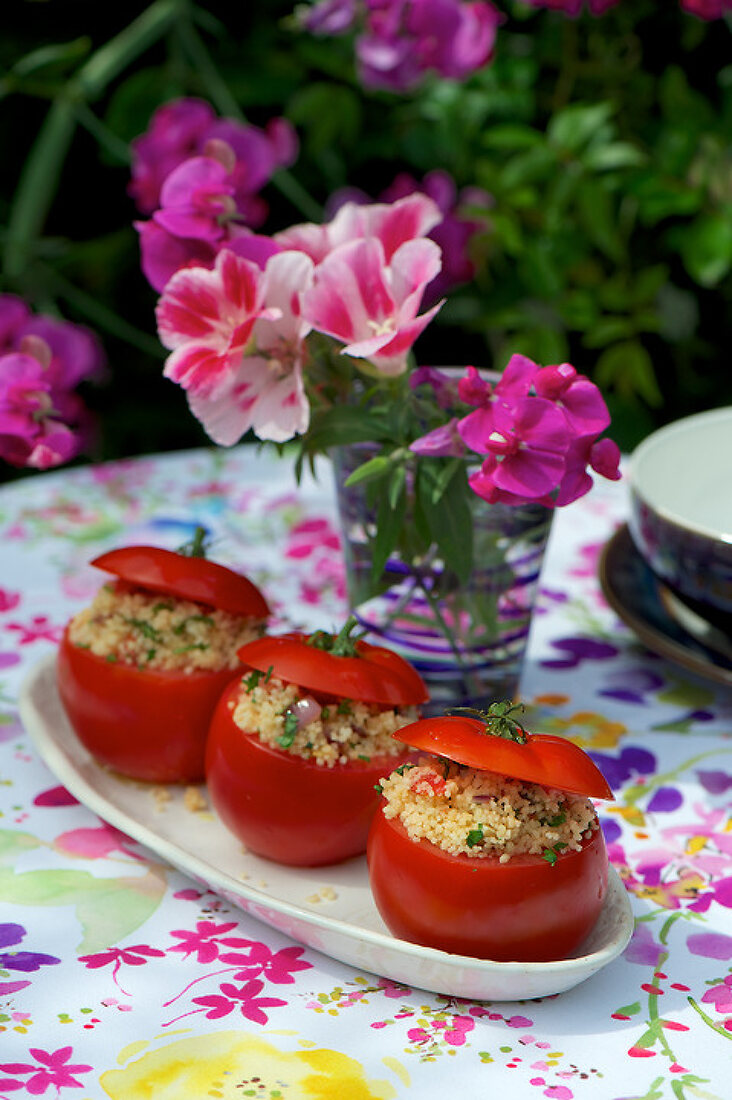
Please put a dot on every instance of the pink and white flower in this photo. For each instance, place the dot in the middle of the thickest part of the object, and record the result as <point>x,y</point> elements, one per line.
<point>237,340</point>
<point>371,305</point>
<point>393,223</point>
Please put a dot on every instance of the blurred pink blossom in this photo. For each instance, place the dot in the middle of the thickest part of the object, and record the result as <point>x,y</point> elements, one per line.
<point>43,422</point>
<point>399,41</point>
<point>180,129</point>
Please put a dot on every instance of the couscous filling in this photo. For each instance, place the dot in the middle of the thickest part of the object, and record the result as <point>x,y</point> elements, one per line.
<point>285,716</point>
<point>151,630</point>
<point>483,814</point>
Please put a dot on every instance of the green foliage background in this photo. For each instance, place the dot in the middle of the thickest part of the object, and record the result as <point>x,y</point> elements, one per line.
<point>605,143</point>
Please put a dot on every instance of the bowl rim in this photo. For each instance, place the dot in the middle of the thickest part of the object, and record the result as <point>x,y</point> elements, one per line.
<point>648,444</point>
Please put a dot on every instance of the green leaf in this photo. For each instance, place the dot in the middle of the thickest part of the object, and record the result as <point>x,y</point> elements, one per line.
<point>52,57</point>
<point>628,368</point>
<point>389,523</point>
<point>374,467</point>
<point>449,519</point>
<point>706,248</point>
<point>511,136</point>
<point>617,154</point>
<point>574,126</point>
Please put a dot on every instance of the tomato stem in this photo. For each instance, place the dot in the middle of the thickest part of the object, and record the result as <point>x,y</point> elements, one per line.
<point>196,547</point>
<point>342,644</point>
<point>499,720</point>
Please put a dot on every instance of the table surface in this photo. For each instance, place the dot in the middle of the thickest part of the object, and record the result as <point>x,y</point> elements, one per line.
<point>174,989</point>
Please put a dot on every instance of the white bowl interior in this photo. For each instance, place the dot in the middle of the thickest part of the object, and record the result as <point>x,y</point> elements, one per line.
<point>684,472</point>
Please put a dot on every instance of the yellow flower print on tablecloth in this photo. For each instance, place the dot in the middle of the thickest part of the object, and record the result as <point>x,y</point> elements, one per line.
<point>226,1065</point>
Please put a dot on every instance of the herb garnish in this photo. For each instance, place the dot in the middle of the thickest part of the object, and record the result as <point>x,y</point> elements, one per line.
<point>474,837</point>
<point>552,854</point>
<point>292,725</point>
<point>499,719</point>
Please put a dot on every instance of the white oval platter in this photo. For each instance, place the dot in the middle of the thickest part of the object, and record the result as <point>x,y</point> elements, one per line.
<point>329,909</point>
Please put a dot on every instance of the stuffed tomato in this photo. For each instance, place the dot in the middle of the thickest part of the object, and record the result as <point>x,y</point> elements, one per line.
<point>490,846</point>
<point>298,744</point>
<point>141,669</point>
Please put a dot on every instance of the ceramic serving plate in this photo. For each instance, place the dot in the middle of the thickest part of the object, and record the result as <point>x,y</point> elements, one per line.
<point>660,620</point>
<point>329,909</point>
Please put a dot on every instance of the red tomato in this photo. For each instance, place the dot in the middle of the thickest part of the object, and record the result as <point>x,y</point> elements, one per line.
<point>283,806</point>
<point>526,910</point>
<point>190,578</point>
<point>148,724</point>
<point>372,675</point>
<point>541,758</point>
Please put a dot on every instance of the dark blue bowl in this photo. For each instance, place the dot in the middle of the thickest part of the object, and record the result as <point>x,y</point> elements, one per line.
<point>681,509</point>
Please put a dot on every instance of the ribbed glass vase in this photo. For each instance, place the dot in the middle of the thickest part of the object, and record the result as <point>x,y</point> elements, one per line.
<point>468,640</point>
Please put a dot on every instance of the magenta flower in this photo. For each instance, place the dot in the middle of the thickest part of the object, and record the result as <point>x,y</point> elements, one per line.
<point>371,306</point>
<point>328,17</point>
<point>573,8</point>
<point>525,450</point>
<point>52,1070</point>
<point>402,40</point>
<point>30,433</point>
<point>43,422</point>
<point>538,428</point>
<point>180,130</point>
<point>177,131</point>
<point>197,198</point>
<point>707,9</point>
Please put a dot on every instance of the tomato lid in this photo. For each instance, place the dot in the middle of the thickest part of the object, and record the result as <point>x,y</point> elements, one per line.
<point>337,665</point>
<point>494,741</point>
<point>190,578</point>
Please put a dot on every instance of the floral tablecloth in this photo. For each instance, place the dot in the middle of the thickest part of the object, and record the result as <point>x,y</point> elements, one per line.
<point>120,977</point>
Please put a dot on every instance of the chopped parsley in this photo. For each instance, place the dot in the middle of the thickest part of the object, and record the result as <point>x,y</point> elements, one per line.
<point>251,681</point>
<point>378,788</point>
<point>404,768</point>
<point>183,625</point>
<point>145,629</point>
<point>552,854</point>
<point>291,727</point>
<point>474,837</point>
<point>344,707</point>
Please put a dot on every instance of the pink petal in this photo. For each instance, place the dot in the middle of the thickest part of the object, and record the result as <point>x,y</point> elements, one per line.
<point>413,266</point>
<point>350,296</point>
<point>529,473</point>
<point>405,220</point>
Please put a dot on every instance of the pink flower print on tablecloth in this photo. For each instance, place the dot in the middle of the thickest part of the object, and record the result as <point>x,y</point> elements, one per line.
<point>51,1070</point>
<point>39,629</point>
<point>229,999</point>
<point>204,942</point>
<point>316,542</point>
<point>135,955</point>
<point>276,966</point>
